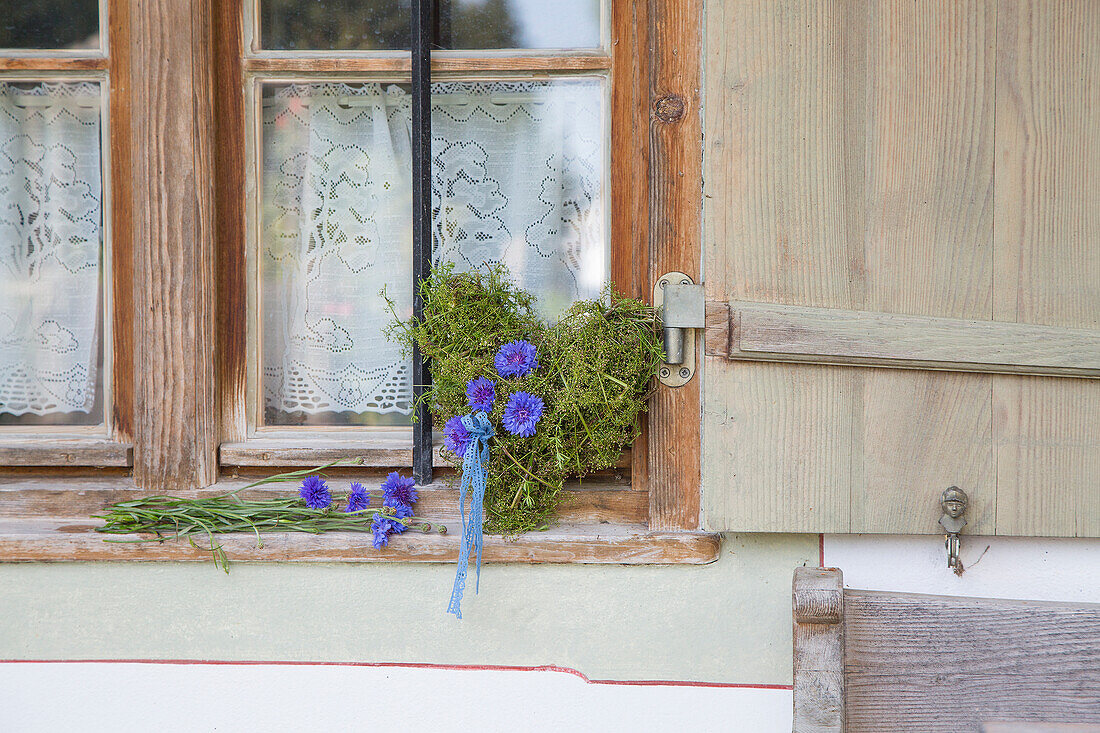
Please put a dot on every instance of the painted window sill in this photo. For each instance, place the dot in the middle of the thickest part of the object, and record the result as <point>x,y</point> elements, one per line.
<point>48,520</point>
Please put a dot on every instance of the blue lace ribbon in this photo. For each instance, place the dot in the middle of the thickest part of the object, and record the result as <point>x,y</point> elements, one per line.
<point>475,461</point>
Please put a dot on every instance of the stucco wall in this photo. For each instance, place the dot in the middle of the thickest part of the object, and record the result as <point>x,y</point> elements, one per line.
<point>724,622</point>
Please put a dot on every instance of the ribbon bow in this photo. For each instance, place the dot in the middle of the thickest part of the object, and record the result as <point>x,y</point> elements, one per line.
<point>474,463</point>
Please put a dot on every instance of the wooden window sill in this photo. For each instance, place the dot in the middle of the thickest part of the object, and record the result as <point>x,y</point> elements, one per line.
<point>64,450</point>
<point>48,520</point>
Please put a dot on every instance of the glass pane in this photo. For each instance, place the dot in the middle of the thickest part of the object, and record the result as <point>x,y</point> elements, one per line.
<point>517,177</point>
<point>343,25</point>
<point>49,24</point>
<point>51,352</point>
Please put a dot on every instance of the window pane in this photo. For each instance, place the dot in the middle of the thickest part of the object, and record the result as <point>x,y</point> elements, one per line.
<point>51,353</point>
<point>342,25</point>
<point>517,177</point>
<point>49,24</point>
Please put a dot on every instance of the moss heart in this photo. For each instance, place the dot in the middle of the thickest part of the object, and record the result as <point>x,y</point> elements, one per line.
<point>595,366</point>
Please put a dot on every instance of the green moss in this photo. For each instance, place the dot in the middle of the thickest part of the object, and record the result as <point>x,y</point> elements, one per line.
<point>596,365</point>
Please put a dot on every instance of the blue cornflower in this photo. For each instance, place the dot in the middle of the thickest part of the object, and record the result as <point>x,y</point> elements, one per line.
<point>455,436</point>
<point>480,394</point>
<point>384,524</point>
<point>358,499</point>
<point>400,511</point>
<point>315,491</point>
<point>381,527</point>
<point>522,412</point>
<point>397,489</point>
<point>516,359</point>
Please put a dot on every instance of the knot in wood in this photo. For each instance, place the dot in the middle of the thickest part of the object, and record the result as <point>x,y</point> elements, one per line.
<point>669,108</point>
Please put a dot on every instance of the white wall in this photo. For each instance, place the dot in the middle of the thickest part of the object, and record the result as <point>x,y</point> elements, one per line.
<point>995,567</point>
<point>727,625</point>
<point>172,697</point>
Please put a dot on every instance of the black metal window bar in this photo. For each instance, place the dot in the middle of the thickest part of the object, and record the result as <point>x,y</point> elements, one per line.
<point>422,32</point>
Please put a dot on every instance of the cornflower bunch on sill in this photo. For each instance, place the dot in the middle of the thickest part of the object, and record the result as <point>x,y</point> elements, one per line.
<point>313,510</point>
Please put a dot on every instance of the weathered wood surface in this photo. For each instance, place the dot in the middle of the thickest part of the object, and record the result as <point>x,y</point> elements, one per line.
<point>230,194</point>
<point>849,164</point>
<point>46,451</point>
<point>398,64</point>
<point>59,539</point>
<point>172,194</point>
<point>590,502</point>
<point>630,140</point>
<point>817,603</point>
<point>774,332</point>
<point>1047,259</point>
<point>1007,727</point>
<point>44,63</point>
<point>305,448</point>
<point>675,204</point>
<point>937,663</point>
<point>121,426</point>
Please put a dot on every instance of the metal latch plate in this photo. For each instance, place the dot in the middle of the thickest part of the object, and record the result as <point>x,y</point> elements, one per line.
<point>682,305</point>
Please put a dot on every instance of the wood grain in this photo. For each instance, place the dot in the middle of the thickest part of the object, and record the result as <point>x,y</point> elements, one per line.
<point>175,436</point>
<point>935,663</point>
<point>675,208</point>
<point>1040,728</point>
<point>1048,456</point>
<point>849,166</point>
<point>122,245</point>
<point>773,332</point>
<point>785,91</point>
<point>630,120</point>
<point>60,540</point>
<point>1047,260</point>
<point>440,64</point>
<point>301,448</point>
<point>62,63</point>
<point>777,447</point>
<point>45,451</point>
<point>817,603</point>
<point>229,141</point>
<point>594,502</point>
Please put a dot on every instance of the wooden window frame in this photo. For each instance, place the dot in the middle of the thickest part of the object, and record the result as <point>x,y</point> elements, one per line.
<point>108,444</point>
<point>189,269</point>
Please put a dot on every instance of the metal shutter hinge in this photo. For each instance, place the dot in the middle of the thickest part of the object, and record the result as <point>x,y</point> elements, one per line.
<point>682,307</point>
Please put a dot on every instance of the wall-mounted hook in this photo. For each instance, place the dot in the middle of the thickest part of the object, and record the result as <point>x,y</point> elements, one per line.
<point>953,501</point>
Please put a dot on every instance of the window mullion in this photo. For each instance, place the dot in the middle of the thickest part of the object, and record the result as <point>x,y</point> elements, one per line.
<point>422,220</point>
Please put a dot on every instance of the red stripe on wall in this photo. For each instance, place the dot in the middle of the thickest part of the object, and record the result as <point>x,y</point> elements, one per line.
<point>410,665</point>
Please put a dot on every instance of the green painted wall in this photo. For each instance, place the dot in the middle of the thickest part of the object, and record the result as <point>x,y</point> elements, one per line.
<point>724,622</point>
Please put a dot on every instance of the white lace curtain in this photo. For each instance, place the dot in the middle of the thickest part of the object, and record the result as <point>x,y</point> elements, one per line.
<point>517,177</point>
<point>50,244</point>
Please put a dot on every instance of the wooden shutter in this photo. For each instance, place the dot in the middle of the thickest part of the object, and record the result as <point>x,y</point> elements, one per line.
<point>902,260</point>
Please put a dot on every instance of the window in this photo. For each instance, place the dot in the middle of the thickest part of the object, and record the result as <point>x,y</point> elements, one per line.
<point>64,367</point>
<point>268,199</point>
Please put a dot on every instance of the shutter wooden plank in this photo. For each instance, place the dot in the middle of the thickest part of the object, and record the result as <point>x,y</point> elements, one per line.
<point>927,185</point>
<point>829,172</point>
<point>772,332</point>
<point>849,164</point>
<point>922,433</point>
<point>777,447</point>
<point>783,85</point>
<point>1047,243</point>
<point>780,76</point>
<point>1048,456</point>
